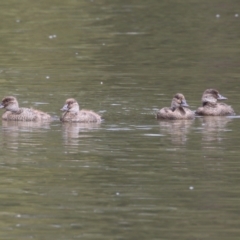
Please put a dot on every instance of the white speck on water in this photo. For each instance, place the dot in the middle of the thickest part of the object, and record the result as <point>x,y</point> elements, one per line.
<point>101,82</point>
<point>191,188</point>
<point>56,226</point>
<point>52,36</point>
<point>74,193</point>
<point>47,77</point>
<point>18,225</point>
<point>218,16</point>
<point>236,15</point>
<point>76,53</point>
<point>18,216</point>
<point>117,193</point>
<point>18,20</point>
<point>103,44</point>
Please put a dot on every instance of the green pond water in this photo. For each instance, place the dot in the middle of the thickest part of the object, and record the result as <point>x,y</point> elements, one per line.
<point>130,177</point>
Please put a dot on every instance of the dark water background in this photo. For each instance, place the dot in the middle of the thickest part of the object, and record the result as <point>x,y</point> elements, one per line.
<point>131,177</point>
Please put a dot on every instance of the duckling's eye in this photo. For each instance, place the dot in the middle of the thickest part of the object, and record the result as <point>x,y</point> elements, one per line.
<point>179,98</point>
<point>214,92</point>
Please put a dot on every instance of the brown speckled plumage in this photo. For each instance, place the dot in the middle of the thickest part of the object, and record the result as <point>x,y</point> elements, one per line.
<point>211,106</point>
<point>15,113</point>
<point>71,113</point>
<point>177,110</point>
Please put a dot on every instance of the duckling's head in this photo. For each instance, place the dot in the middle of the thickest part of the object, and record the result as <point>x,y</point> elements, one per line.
<point>178,101</point>
<point>211,96</point>
<point>9,103</point>
<point>71,105</point>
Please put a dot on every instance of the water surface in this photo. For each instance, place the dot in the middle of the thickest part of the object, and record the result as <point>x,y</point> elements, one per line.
<point>130,177</point>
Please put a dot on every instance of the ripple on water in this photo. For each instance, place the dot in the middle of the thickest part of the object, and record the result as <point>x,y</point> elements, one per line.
<point>153,135</point>
<point>232,117</point>
<point>119,129</point>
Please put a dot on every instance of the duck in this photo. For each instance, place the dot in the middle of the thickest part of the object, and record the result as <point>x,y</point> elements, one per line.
<point>211,106</point>
<point>72,113</point>
<point>15,113</point>
<point>178,109</point>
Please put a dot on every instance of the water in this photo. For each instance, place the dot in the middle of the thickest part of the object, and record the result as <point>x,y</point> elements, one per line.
<point>131,177</point>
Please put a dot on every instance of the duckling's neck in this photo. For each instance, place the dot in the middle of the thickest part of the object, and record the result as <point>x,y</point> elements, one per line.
<point>74,109</point>
<point>181,109</point>
<point>14,108</point>
<point>210,104</point>
<point>208,99</point>
<point>18,111</point>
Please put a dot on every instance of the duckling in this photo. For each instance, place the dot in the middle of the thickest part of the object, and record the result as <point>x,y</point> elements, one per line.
<point>15,113</point>
<point>177,110</point>
<point>71,113</point>
<point>211,106</point>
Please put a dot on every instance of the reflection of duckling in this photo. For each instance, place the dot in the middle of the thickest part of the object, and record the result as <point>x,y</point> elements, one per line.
<point>16,133</point>
<point>210,106</point>
<point>177,109</point>
<point>14,113</point>
<point>177,130</point>
<point>74,133</point>
<point>217,123</point>
<point>72,129</point>
<point>28,126</point>
<point>73,114</point>
<point>214,127</point>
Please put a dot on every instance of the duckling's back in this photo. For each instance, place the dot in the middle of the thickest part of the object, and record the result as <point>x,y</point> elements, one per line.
<point>83,116</point>
<point>179,113</point>
<point>219,109</point>
<point>26,114</point>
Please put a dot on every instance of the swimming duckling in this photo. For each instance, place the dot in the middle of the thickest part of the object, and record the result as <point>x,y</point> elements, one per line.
<point>177,110</point>
<point>211,106</point>
<point>73,114</point>
<point>15,113</point>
